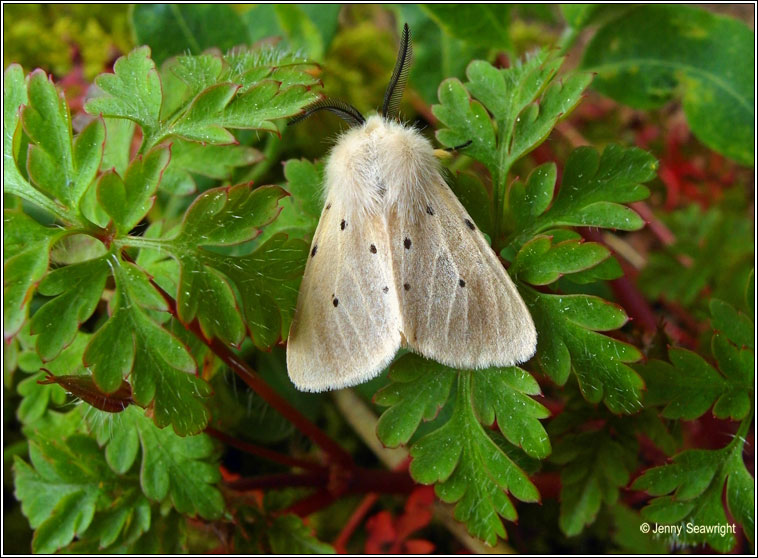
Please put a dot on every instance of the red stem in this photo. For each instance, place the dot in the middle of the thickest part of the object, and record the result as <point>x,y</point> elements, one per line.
<point>311,504</point>
<point>334,451</point>
<point>265,453</point>
<point>280,480</point>
<point>361,481</point>
<point>355,519</point>
<point>626,292</point>
<point>632,300</point>
<point>655,225</point>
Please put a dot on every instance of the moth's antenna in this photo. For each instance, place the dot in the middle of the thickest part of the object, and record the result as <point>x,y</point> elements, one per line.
<point>345,111</point>
<point>399,76</point>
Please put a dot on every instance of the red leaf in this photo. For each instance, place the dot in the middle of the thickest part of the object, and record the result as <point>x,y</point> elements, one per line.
<point>391,536</point>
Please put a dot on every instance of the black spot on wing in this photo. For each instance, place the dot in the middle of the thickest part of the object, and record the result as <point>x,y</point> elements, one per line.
<point>372,249</point>
<point>429,210</point>
<point>407,243</point>
<point>406,286</point>
<point>462,283</point>
<point>313,252</point>
<point>469,224</point>
<point>343,224</point>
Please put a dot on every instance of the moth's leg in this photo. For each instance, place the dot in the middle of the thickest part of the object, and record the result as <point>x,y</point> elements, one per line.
<point>445,152</point>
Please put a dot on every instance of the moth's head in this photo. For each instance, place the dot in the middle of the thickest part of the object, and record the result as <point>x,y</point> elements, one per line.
<point>392,95</point>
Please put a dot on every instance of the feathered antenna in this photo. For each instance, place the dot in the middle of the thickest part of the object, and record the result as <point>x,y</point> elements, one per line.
<point>345,111</point>
<point>399,76</point>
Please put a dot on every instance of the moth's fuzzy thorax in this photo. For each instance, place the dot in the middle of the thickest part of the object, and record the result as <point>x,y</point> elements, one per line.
<point>382,166</point>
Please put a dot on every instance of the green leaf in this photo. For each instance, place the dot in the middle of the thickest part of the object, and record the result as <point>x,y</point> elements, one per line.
<point>160,369</point>
<point>222,217</point>
<point>177,467</point>
<point>535,122</point>
<point>740,495</point>
<point>14,154</point>
<point>466,120</point>
<point>481,24</point>
<point>541,261</point>
<point>213,161</point>
<point>696,478</point>
<point>304,181</point>
<point>503,395</point>
<point>205,95</point>
<point>133,91</point>
<point>126,519</point>
<point>76,289</point>
<point>627,536</point>
<point>595,466</point>
<point>467,463</point>
<point>302,33</point>
<point>717,246</point>
<point>591,193</point>
<point>172,467</point>
<point>288,535</point>
<point>267,283</point>
<point>223,106</point>
<point>171,29</point>
<point>419,389</point>
<point>258,106</point>
<point>127,200</point>
<point>653,53</point>
<point>27,253</point>
<point>737,327</point>
<point>301,210</point>
<point>47,122</point>
<point>59,167</point>
<point>116,154</point>
<point>689,386</point>
<point>201,121</point>
<point>567,340</point>
<point>61,492</point>
<point>514,111</point>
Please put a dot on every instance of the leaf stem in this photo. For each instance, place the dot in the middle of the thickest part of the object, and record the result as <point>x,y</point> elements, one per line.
<point>739,436</point>
<point>263,452</point>
<point>32,195</point>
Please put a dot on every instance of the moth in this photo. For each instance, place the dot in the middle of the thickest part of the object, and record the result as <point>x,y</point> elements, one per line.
<point>397,261</point>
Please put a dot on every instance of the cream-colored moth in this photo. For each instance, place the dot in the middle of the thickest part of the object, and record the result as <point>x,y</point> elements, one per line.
<point>397,261</point>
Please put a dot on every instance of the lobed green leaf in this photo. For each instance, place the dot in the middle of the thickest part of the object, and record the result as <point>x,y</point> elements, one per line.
<point>567,340</point>
<point>595,466</point>
<point>468,464</point>
<point>160,369</point>
<point>132,91</point>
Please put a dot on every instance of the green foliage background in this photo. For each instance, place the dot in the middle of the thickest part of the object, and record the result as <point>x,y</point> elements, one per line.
<point>170,204</point>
